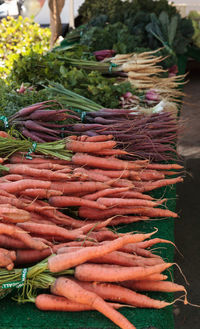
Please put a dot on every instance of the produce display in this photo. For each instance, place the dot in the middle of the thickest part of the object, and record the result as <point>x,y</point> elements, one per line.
<point>142,24</point>
<point>87,155</point>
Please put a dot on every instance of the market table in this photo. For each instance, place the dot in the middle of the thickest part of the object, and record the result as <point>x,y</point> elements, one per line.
<point>26,316</point>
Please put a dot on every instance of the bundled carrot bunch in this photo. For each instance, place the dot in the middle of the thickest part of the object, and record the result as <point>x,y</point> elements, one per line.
<point>42,122</point>
<point>107,267</point>
<point>100,187</point>
<point>144,136</point>
<point>105,278</point>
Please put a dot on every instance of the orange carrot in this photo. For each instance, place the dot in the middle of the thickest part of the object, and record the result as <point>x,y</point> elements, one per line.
<point>108,163</point>
<point>40,193</point>
<point>50,166</point>
<point>148,175</point>
<point>23,169</point>
<point>77,187</point>
<point>89,147</point>
<point>150,285</point>
<point>70,289</point>
<point>9,195</point>
<point>11,214</point>
<point>102,235</point>
<point>118,202</point>
<point>127,219</point>
<point>6,259</point>
<point>168,173</point>
<point>61,262</point>
<point>98,138</point>
<point>51,230</point>
<point>116,258</point>
<point>132,194</point>
<point>12,177</point>
<point>160,183</point>
<point>85,212</point>
<point>106,192</point>
<point>47,302</point>
<point>28,256</point>
<point>131,248</point>
<point>110,152</point>
<point>71,201</point>
<point>28,204</point>
<point>20,158</point>
<point>4,134</point>
<point>113,292</point>
<point>11,243</point>
<point>115,273</point>
<point>159,166</point>
<point>16,187</point>
<point>151,242</point>
<point>91,175</point>
<point>117,173</point>
<point>20,234</point>
<point>153,277</point>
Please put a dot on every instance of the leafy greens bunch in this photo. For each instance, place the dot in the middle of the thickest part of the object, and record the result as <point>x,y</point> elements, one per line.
<point>38,70</point>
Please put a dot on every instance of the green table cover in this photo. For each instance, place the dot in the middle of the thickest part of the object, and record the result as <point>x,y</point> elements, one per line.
<point>26,316</point>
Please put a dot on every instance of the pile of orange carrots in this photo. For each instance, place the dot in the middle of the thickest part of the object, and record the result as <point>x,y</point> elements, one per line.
<point>38,219</point>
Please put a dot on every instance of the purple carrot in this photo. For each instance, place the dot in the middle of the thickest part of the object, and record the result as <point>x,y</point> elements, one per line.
<point>46,137</point>
<point>31,135</point>
<point>32,125</point>
<point>82,127</point>
<point>104,121</point>
<point>29,109</point>
<point>43,114</point>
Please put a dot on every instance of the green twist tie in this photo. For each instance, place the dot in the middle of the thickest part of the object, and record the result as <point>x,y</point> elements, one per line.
<point>77,110</point>
<point>5,121</point>
<point>31,150</point>
<point>83,114</point>
<point>16,284</point>
<point>111,66</point>
<point>62,133</point>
